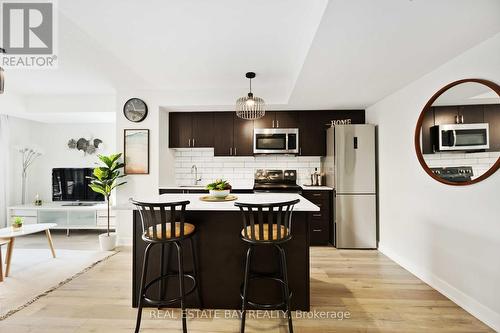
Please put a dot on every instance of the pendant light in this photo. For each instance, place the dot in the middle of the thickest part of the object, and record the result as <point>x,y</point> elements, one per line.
<point>2,77</point>
<point>250,107</point>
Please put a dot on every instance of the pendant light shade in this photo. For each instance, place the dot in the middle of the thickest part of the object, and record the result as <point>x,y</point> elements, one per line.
<point>250,107</point>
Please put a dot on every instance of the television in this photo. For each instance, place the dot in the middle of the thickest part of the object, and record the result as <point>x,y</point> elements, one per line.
<point>72,184</point>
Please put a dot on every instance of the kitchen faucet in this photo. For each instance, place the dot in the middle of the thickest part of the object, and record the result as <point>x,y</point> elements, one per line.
<point>196,179</point>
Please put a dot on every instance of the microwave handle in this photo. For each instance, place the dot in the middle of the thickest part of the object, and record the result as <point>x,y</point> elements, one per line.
<point>454,143</point>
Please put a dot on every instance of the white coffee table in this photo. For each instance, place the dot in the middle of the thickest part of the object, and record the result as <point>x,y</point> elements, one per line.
<point>10,235</point>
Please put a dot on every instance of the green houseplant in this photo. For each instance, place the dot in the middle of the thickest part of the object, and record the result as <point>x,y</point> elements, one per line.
<point>104,180</point>
<point>17,223</point>
<point>220,188</point>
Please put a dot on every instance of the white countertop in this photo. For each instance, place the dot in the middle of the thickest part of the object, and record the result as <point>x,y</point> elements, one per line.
<point>316,188</point>
<point>197,205</point>
<point>188,187</point>
<point>59,206</point>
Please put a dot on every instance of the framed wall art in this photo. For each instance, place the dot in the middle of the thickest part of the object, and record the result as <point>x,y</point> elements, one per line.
<point>136,151</point>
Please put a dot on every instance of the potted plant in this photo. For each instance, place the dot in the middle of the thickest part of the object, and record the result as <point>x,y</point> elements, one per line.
<point>104,180</point>
<point>17,223</point>
<point>219,189</point>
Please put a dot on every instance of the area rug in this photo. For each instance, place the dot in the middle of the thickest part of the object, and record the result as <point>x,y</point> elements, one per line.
<point>34,273</point>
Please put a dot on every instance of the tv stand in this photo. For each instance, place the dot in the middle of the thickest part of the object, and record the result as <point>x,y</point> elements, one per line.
<point>67,215</point>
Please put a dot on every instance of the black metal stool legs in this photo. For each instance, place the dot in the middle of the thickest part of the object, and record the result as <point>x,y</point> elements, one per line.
<point>143,285</point>
<point>286,288</point>
<point>245,288</point>
<point>181,285</point>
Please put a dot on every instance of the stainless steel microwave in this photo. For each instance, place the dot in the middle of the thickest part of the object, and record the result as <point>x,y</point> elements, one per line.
<point>461,137</point>
<point>276,141</point>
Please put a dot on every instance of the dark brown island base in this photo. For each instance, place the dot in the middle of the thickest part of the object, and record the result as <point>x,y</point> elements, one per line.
<point>221,253</point>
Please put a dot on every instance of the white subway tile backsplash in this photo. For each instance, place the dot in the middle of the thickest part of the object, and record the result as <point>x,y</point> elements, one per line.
<point>480,162</point>
<point>239,170</point>
<point>234,164</point>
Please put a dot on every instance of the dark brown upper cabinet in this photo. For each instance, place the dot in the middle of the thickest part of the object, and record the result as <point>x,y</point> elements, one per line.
<point>471,114</point>
<point>278,119</point>
<point>203,129</point>
<point>242,137</point>
<point>235,137</point>
<point>492,116</point>
<point>223,137</point>
<point>312,133</point>
<point>427,123</point>
<point>287,119</point>
<point>445,115</point>
<point>191,129</point>
<point>267,121</point>
<point>180,130</point>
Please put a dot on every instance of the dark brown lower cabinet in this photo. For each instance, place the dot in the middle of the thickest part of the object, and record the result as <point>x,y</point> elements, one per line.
<point>322,221</point>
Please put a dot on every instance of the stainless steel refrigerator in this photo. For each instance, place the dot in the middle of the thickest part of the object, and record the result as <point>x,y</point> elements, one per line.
<point>350,168</point>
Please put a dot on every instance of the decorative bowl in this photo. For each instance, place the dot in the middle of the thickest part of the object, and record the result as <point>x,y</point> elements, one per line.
<point>219,193</point>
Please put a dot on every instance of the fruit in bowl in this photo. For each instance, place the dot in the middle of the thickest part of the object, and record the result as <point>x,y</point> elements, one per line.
<point>219,189</point>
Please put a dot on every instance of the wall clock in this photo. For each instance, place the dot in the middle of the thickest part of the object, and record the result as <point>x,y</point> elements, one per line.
<point>135,110</point>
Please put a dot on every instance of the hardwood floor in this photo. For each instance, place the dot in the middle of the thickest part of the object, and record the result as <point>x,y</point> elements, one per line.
<point>378,295</point>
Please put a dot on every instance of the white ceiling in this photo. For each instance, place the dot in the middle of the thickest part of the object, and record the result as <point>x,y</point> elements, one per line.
<point>306,53</point>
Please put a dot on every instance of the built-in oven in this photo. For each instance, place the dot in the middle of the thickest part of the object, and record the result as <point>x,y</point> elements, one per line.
<point>276,141</point>
<point>461,137</point>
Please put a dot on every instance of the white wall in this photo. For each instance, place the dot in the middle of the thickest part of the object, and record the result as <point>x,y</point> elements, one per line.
<point>449,236</point>
<point>52,140</point>
<point>142,185</point>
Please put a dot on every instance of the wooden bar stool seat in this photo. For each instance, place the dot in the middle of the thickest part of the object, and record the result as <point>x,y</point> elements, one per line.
<point>188,230</point>
<point>265,234</point>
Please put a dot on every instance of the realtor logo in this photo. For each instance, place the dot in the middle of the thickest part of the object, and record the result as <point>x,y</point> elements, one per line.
<point>28,34</point>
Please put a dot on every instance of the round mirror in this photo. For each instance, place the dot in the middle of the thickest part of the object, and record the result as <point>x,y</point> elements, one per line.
<point>457,138</point>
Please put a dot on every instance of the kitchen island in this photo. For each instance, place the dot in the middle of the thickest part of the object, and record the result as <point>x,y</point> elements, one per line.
<point>221,252</point>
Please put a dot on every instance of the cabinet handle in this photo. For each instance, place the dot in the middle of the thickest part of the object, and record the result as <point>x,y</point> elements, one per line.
<point>316,194</point>
<point>300,151</point>
<point>189,143</point>
<point>193,142</point>
<point>317,230</point>
<point>462,119</point>
<point>230,150</point>
<point>456,120</point>
<point>273,123</point>
<point>317,215</point>
<point>277,123</point>
<point>235,153</point>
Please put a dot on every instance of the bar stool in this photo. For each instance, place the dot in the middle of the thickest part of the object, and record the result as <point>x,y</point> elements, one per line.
<point>164,224</point>
<point>266,225</point>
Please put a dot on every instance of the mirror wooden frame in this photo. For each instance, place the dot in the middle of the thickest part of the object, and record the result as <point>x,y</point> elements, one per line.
<point>418,149</point>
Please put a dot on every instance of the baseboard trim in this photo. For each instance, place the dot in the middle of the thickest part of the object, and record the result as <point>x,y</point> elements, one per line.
<point>469,304</point>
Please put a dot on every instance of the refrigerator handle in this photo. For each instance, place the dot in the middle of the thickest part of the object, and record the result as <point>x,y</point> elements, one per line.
<point>355,142</point>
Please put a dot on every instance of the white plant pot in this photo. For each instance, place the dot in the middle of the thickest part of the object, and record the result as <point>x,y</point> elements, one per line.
<point>219,194</point>
<point>107,243</point>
